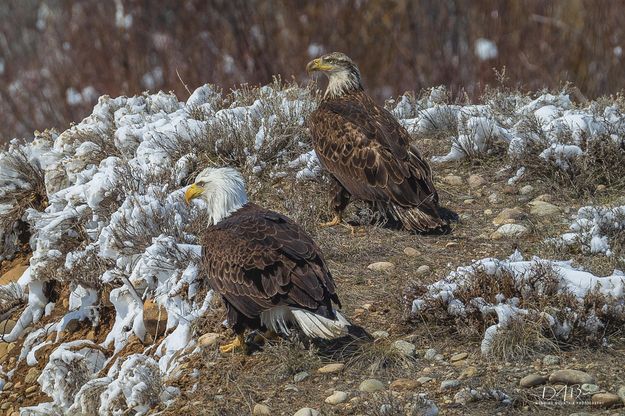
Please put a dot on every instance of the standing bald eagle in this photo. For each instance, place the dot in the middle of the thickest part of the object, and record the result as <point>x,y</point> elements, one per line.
<point>268,271</point>
<point>368,153</point>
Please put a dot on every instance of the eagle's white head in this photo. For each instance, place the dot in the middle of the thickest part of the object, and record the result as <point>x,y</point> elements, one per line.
<point>343,74</point>
<point>223,190</point>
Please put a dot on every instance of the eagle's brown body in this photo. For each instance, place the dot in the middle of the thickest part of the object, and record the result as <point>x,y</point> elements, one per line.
<point>257,260</point>
<point>368,153</point>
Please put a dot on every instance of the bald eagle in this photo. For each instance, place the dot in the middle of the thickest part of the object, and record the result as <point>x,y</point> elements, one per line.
<point>269,272</point>
<point>368,153</point>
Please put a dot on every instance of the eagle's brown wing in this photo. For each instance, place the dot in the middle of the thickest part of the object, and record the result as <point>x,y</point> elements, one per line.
<point>257,259</point>
<point>364,147</point>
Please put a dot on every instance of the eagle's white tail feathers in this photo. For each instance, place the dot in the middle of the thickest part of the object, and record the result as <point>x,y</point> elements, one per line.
<point>315,326</point>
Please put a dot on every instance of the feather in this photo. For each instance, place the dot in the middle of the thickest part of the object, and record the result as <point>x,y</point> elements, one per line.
<point>313,325</point>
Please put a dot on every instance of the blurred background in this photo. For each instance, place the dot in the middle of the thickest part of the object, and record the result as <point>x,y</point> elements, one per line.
<point>58,56</point>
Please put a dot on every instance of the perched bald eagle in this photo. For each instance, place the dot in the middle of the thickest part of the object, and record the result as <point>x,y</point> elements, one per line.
<point>368,153</point>
<point>268,271</point>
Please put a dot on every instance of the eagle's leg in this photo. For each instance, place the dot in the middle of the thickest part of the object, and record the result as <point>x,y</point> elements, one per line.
<point>237,343</point>
<point>339,202</point>
<point>265,336</point>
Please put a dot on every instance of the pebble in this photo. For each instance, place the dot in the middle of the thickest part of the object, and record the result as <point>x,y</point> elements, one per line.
<point>380,334</point>
<point>508,216</point>
<point>404,347</point>
<point>458,357</point>
<point>371,385</point>
<point>31,376</point>
<point>449,384</point>
<point>301,376</point>
<point>488,212</point>
<point>571,377</point>
<point>452,180</point>
<point>403,384</point>
<point>469,201</point>
<point>526,190</point>
<point>544,198</point>
<point>331,368</point>
<point>601,188</point>
<point>381,266</point>
<point>306,411</point>
<point>423,270</point>
<point>532,380</point>
<point>7,386</point>
<point>336,397</point>
<point>463,397</point>
<point>5,406</point>
<point>606,399</point>
<point>31,389</point>
<point>386,409</point>
<point>430,354</point>
<point>409,251</point>
<point>509,230</point>
<point>261,410</point>
<point>543,209</point>
<point>551,360</point>
<point>590,388</point>
<point>621,393</point>
<point>209,339</point>
<point>468,372</point>
<point>493,198</point>
<point>424,379</point>
<point>475,181</point>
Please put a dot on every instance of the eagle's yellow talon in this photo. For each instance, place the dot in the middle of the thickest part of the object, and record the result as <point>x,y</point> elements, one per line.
<point>335,221</point>
<point>238,342</point>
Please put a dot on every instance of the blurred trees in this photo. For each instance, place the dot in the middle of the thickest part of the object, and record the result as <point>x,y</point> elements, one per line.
<point>58,56</point>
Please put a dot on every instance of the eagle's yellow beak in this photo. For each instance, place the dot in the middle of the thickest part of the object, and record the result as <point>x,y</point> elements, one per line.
<point>317,65</point>
<point>192,191</point>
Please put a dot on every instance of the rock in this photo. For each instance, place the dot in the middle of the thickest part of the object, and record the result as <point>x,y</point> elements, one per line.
<point>601,188</point>
<point>306,411</point>
<point>209,339</point>
<point>261,410</point>
<point>404,384</point>
<point>385,409</point>
<point>551,360</point>
<point>7,326</point>
<point>404,347</point>
<point>381,266</point>
<point>475,181</point>
<point>13,274</point>
<point>5,406</point>
<point>488,211</point>
<point>621,393</point>
<point>606,399</point>
<point>452,180</point>
<point>409,251</point>
<point>543,209</point>
<point>458,357</point>
<point>526,190</point>
<point>31,376</point>
<point>430,354</point>
<point>424,379</point>
<point>508,216</point>
<point>380,334</point>
<point>371,385</point>
<point>7,386</point>
<point>544,198</point>
<point>532,380</point>
<point>590,388</point>
<point>154,317</point>
<point>493,198</point>
<point>571,377</point>
<point>331,368</point>
<point>509,230</point>
<point>423,270</point>
<point>449,384</point>
<point>468,372</point>
<point>32,389</point>
<point>463,397</point>
<point>301,376</point>
<point>336,397</point>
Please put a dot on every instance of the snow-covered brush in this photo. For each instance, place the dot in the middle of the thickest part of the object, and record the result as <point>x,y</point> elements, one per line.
<point>569,304</point>
<point>22,186</point>
<point>11,295</point>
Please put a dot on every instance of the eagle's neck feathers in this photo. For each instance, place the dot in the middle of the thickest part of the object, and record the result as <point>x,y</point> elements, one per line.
<point>224,194</point>
<point>343,82</point>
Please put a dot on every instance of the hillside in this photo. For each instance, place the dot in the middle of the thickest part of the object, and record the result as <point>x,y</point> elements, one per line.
<point>105,310</point>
